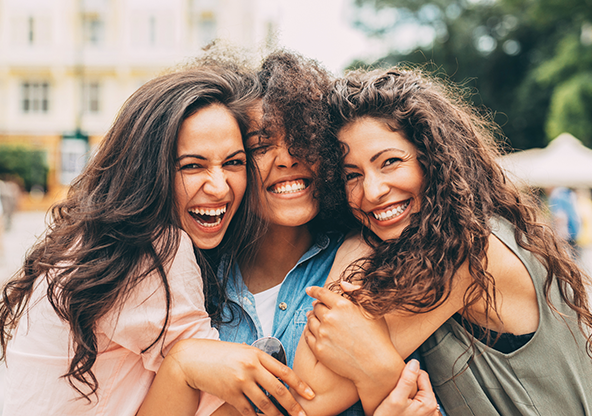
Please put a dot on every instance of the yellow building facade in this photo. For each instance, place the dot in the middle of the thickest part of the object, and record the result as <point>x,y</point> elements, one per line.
<point>68,65</point>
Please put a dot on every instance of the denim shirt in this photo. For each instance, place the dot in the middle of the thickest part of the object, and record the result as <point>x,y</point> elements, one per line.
<point>292,303</point>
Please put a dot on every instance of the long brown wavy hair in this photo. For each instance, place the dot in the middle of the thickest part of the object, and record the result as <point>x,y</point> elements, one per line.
<point>101,241</point>
<point>464,187</point>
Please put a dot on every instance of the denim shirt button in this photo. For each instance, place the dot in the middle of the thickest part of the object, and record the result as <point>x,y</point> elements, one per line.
<point>283,306</point>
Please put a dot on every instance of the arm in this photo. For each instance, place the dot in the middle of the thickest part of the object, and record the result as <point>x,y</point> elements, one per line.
<point>337,327</point>
<point>230,371</point>
<point>367,359</point>
<point>336,390</point>
<point>402,401</point>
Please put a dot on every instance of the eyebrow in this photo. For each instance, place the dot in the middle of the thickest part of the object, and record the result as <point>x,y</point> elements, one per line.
<point>254,133</point>
<point>377,155</point>
<point>200,157</point>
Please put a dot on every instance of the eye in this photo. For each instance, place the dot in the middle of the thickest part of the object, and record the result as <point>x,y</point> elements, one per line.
<point>260,149</point>
<point>189,166</point>
<point>391,161</point>
<point>352,175</point>
<point>235,162</point>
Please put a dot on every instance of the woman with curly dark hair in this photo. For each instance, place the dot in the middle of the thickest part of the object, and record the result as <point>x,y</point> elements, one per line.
<point>460,260</point>
<point>114,285</point>
<point>290,134</point>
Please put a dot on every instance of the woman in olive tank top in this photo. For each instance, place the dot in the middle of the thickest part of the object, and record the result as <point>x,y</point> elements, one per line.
<point>451,256</point>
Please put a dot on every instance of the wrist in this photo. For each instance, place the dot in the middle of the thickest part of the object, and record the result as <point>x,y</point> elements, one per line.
<point>381,373</point>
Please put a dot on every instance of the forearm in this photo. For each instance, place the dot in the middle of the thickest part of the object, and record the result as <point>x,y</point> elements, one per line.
<point>170,392</point>
<point>378,378</point>
<point>372,383</point>
<point>333,393</point>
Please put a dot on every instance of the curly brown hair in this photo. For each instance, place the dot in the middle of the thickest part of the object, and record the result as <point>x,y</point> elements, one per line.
<point>464,187</point>
<point>295,104</point>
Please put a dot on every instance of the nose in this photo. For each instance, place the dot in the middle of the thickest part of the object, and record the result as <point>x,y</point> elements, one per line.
<point>216,185</point>
<point>283,157</point>
<point>375,188</point>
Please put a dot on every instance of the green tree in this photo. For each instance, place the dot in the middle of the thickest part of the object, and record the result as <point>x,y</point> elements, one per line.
<point>30,165</point>
<point>524,57</point>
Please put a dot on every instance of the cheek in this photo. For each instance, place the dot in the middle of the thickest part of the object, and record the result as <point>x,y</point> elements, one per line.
<point>354,195</point>
<point>180,191</point>
<point>238,184</point>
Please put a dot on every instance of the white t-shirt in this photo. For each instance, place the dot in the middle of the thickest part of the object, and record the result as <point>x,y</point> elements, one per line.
<point>265,304</point>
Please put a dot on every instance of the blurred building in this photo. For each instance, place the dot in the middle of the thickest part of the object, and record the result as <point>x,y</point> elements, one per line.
<point>66,66</point>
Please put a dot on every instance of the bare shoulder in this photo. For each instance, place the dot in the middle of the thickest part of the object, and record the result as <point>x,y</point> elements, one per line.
<point>516,295</point>
<point>505,266</point>
<point>353,248</point>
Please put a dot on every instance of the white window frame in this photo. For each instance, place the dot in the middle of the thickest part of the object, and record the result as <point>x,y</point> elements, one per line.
<point>35,97</point>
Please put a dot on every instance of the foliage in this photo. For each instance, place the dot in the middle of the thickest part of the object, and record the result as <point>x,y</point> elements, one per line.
<point>29,165</point>
<point>529,60</point>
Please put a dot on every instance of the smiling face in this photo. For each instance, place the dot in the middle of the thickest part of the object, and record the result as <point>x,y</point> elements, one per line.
<point>284,183</point>
<point>211,174</point>
<point>383,176</point>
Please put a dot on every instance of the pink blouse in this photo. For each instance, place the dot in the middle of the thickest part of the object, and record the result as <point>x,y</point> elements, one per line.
<point>40,351</point>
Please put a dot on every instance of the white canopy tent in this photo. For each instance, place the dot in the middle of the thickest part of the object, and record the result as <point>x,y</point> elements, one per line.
<point>564,162</point>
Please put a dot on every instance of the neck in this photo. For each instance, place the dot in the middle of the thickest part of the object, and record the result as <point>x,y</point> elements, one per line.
<point>279,251</point>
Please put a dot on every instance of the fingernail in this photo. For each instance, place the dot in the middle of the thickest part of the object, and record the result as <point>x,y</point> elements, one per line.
<point>414,365</point>
<point>309,393</point>
<point>301,413</point>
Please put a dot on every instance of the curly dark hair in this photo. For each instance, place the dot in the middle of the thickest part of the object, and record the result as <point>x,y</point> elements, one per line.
<point>464,187</point>
<point>101,243</point>
<point>295,104</point>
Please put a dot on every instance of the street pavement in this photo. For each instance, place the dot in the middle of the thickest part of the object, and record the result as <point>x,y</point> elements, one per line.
<point>27,226</point>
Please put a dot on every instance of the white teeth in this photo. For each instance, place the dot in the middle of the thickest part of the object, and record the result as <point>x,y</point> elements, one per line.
<point>391,213</point>
<point>210,224</point>
<point>210,212</point>
<point>289,188</point>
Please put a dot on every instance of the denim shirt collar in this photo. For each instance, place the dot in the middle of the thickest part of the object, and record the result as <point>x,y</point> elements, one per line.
<point>290,291</point>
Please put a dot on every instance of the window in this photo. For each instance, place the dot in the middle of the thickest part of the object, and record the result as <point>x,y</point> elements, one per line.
<point>92,29</point>
<point>30,30</point>
<point>207,28</point>
<point>35,97</point>
<point>91,97</point>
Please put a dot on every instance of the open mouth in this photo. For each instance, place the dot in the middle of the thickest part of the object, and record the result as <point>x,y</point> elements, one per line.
<point>289,187</point>
<point>391,212</point>
<point>208,217</point>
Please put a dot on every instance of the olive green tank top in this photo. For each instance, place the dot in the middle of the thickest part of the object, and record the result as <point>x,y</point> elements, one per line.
<point>550,375</point>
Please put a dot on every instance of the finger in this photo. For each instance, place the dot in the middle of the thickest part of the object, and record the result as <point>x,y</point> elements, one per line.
<point>261,400</point>
<point>288,376</point>
<point>320,310</point>
<point>423,383</point>
<point>426,396</point>
<point>324,295</point>
<point>310,339</point>
<point>348,287</point>
<point>313,325</point>
<point>242,405</point>
<point>407,384</point>
<point>279,391</point>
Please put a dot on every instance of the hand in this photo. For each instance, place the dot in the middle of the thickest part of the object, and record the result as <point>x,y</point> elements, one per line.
<point>349,342</point>
<point>232,371</point>
<point>402,401</point>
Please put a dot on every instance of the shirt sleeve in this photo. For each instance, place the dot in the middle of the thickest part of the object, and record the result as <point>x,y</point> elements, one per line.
<point>138,322</point>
